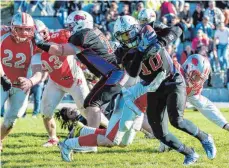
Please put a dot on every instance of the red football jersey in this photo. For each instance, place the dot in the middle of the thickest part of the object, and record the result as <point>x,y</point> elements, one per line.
<point>15,57</point>
<point>62,70</point>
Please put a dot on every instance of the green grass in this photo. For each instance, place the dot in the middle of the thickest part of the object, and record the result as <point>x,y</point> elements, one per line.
<point>23,148</point>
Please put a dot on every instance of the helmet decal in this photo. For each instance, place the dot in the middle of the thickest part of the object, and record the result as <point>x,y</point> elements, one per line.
<point>195,61</point>
<point>79,17</point>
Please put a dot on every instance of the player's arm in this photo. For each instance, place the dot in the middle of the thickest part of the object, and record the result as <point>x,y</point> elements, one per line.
<point>60,49</point>
<point>37,74</point>
<point>166,35</point>
<point>57,49</point>
<point>27,83</point>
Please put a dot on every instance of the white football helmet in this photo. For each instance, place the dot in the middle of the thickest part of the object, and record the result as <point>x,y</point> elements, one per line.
<point>42,29</point>
<point>197,69</point>
<point>126,30</point>
<point>79,20</point>
<point>22,27</point>
<point>146,16</point>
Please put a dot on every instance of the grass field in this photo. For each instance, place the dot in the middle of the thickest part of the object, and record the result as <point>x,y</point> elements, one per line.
<point>23,148</point>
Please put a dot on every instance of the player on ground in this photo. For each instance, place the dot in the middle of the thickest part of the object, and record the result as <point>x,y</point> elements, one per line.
<point>17,50</point>
<point>66,76</point>
<point>147,57</point>
<point>93,49</point>
<point>126,119</point>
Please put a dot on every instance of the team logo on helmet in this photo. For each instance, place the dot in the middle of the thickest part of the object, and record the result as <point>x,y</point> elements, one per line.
<point>79,17</point>
<point>195,61</point>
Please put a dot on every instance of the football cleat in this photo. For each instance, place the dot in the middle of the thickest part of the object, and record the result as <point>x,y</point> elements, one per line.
<point>51,142</point>
<point>66,153</point>
<point>85,150</point>
<point>163,148</point>
<point>209,147</point>
<point>191,158</point>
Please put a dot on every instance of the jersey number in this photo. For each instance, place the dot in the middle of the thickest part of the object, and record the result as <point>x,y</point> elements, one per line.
<point>17,64</point>
<point>57,63</point>
<point>154,66</point>
<point>106,43</point>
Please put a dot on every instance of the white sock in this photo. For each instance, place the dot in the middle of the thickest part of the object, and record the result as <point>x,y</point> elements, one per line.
<point>72,143</point>
<point>53,137</point>
<point>87,130</point>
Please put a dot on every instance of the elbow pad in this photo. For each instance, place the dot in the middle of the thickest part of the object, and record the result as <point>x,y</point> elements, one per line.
<point>172,35</point>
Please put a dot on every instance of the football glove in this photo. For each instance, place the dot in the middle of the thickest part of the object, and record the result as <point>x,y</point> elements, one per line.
<point>153,50</point>
<point>6,83</point>
<point>147,40</point>
<point>40,42</point>
<point>38,38</point>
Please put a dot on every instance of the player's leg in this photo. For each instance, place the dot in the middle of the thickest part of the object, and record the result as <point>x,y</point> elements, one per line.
<point>37,94</point>
<point>99,95</point>
<point>146,129</point>
<point>176,100</point>
<point>79,92</point>
<point>16,107</point>
<point>159,124</point>
<point>51,98</point>
<point>131,133</point>
<point>95,136</point>
<point>209,110</point>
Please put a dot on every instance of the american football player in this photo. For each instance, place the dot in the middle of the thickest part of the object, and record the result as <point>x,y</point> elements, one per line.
<point>147,16</point>
<point>93,49</point>
<point>126,119</point>
<point>146,57</point>
<point>196,70</point>
<point>17,49</point>
<point>66,76</point>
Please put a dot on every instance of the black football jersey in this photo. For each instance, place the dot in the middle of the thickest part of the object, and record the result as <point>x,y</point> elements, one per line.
<point>150,67</point>
<point>98,54</point>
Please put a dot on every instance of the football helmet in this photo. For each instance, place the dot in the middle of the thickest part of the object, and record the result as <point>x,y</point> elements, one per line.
<point>42,29</point>
<point>146,16</point>
<point>79,20</point>
<point>22,27</point>
<point>197,69</point>
<point>126,31</point>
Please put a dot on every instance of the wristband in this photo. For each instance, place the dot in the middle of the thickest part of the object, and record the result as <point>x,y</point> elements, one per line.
<point>44,46</point>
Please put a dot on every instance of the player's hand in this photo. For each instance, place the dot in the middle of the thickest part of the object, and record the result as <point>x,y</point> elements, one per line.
<point>152,51</point>
<point>25,84</point>
<point>38,38</point>
<point>6,83</point>
<point>147,39</point>
<point>154,85</point>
